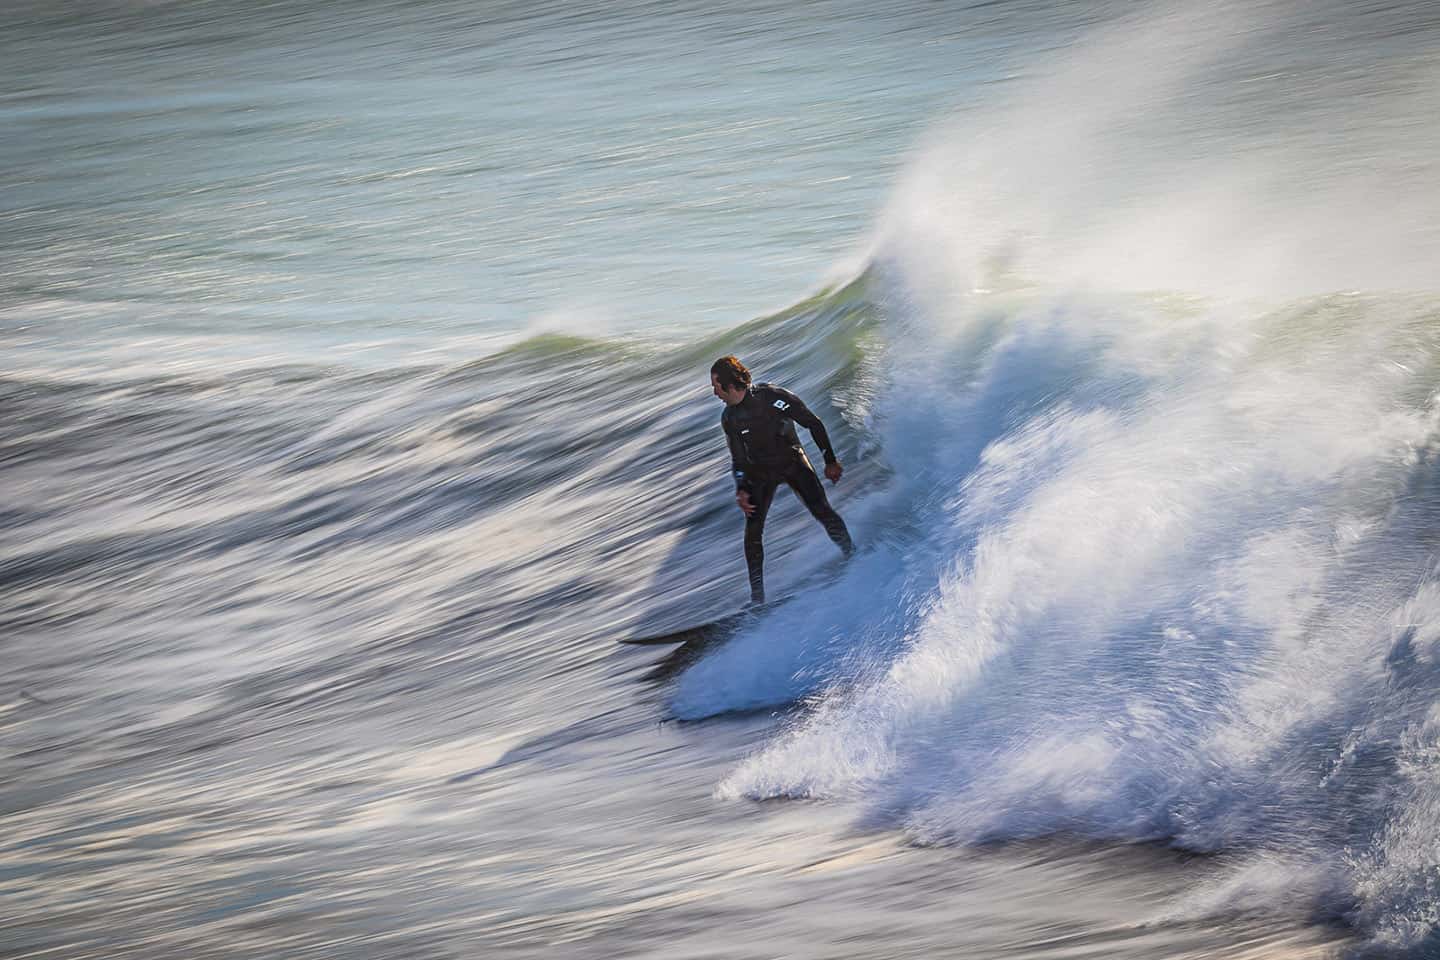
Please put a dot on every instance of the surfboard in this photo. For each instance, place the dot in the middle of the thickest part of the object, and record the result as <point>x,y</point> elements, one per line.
<point>706,632</point>
<point>701,632</point>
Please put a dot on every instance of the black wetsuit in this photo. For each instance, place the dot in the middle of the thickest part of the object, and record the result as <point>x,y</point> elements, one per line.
<point>764,453</point>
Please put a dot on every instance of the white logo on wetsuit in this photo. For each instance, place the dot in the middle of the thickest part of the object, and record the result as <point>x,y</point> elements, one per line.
<point>781,405</point>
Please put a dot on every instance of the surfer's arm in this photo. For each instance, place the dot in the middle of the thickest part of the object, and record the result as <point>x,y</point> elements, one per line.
<point>737,457</point>
<point>796,410</point>
<point>737,471</point>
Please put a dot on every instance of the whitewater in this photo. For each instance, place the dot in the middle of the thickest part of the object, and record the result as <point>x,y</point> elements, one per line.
<point>356,406</point>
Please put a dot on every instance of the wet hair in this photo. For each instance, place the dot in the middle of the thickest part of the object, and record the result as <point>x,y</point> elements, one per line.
<point>731,373</point>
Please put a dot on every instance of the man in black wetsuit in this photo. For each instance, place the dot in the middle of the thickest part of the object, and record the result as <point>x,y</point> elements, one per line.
<point>759,423</point>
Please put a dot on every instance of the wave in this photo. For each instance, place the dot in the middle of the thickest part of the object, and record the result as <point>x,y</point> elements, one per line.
<point>1141,566</point>
<point>1145,566</point>
<point>1173,587</point>
<point>1137,566</point>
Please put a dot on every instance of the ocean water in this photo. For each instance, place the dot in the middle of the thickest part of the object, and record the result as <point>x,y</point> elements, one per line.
<point>355,407</point>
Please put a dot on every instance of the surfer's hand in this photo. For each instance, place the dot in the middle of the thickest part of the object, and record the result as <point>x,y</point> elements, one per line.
<point>833,471</point>
<point>742,497</point>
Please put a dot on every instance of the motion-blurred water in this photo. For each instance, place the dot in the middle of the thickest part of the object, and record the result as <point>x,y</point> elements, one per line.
<point>355,404</point>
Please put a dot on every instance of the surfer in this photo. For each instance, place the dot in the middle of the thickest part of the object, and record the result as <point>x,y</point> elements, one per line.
<point>759,423</point>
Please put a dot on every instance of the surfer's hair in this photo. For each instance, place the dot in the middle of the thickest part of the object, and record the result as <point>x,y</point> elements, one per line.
<point>731,373</point>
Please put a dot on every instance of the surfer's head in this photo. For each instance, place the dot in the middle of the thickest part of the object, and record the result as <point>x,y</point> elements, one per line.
<point>729,380</point>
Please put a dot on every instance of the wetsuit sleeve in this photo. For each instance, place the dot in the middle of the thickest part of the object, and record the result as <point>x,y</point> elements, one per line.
<point>797,411</point>
<point>737,457</point>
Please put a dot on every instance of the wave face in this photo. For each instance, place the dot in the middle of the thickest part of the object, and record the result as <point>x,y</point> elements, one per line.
<point>1150,566</point>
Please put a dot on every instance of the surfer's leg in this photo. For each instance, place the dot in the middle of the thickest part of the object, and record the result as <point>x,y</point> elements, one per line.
<point>807,487</point>
<point>762,492</point>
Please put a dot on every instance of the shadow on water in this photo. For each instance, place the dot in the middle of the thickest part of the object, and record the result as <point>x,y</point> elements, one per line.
<point>696,643</point>
<point>590,728</point>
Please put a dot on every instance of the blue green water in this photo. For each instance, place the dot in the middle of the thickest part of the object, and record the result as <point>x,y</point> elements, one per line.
<point>345,174</point>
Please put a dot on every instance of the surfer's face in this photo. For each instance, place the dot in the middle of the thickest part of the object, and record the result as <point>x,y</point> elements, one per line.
<point>731,395</point>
